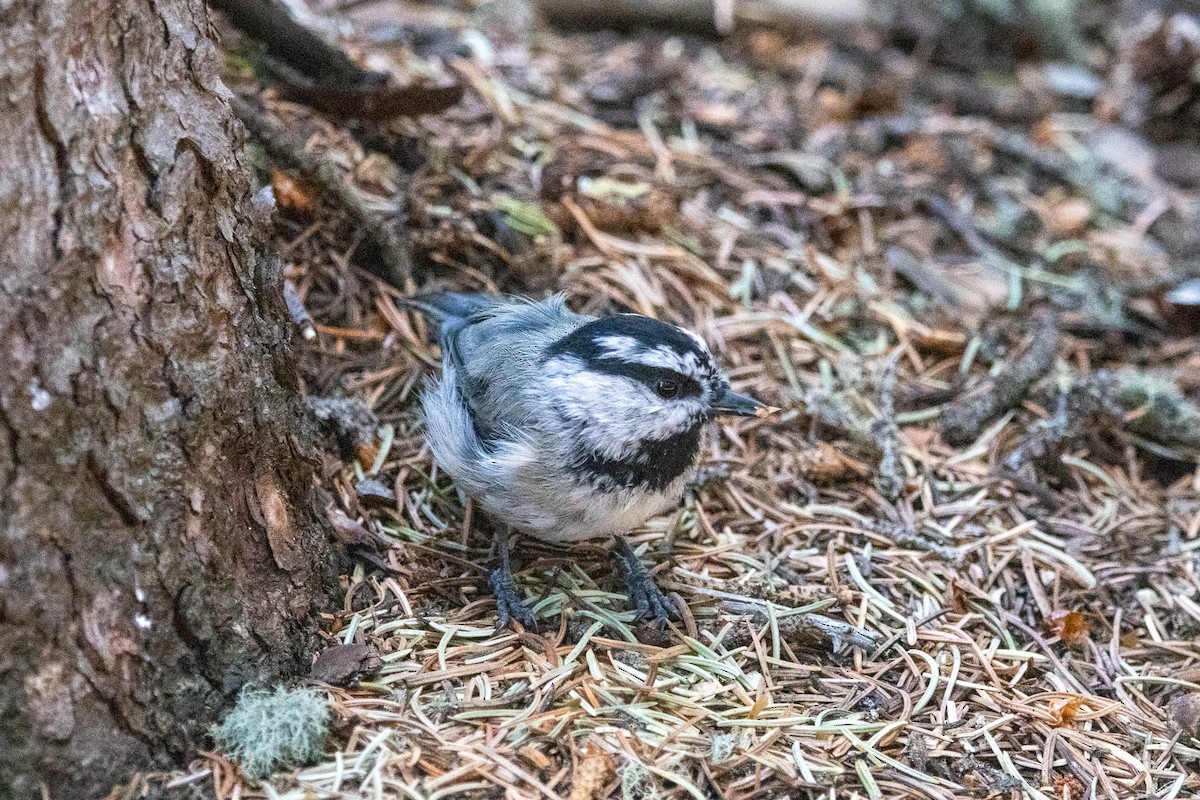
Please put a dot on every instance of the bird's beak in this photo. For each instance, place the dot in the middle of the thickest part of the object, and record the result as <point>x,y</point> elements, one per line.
<point>727,401</point>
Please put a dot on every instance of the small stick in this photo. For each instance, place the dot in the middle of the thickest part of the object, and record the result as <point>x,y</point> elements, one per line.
<point>889,477</point>
<point>963,422</point>
<point>834,632</point>
<point>299,314</point>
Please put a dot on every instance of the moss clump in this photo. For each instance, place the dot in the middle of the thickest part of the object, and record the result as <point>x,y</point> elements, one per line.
<point>266,730</point>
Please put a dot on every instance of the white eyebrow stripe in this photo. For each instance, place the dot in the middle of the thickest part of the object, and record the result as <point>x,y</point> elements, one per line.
<point>703,345</point>
<point>627,348</point>
<point>669,359</point>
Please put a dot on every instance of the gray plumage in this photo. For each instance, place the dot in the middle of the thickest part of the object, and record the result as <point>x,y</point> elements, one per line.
<point>564,426</point>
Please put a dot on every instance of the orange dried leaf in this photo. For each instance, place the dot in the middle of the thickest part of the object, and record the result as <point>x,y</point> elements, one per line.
<point>1043,133</point>
<point>940,341</point>
<point>1063,712</point>
<point>956,597</point>
<point>367,453</point>
<point>1070,217</point>
<point>1069,626</point>
<point>825,464</point>
<point>1068,786</point>
<point>536,757</point>
<point>926,152</point>
<point>294,197</point>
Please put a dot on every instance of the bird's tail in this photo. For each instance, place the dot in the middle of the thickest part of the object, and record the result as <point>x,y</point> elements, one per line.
<point>439,306</point>
<point>450,310</point>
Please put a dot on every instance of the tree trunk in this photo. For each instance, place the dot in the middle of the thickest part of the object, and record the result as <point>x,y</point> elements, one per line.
<point>159,540</point>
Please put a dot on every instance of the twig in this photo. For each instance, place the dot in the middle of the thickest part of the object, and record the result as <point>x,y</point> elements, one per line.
<point>299,314</point>
<point>812,630</point>
<point>889,477</point>
<point>907,535</point>
<point>963,422</point>
<point>387,237</point>
<point>702,16</point>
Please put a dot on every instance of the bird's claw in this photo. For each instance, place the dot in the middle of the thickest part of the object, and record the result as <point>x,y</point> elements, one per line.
<point>648,600</point>
<point>509,605</point>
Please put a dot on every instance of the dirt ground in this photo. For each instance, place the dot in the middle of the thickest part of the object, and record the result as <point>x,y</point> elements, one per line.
<point>962,560</point>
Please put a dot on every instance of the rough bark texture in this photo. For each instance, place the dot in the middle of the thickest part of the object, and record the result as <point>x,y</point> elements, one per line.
<point>159,543</point>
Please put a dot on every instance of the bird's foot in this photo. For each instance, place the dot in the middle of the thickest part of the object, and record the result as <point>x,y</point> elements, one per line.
<point>509,605</point>
<point>648,600</point>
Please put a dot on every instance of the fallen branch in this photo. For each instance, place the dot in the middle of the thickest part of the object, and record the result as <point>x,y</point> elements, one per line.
<point>314,72</point>
<point>703,16</point>
<point>395,265</point>
<point>889,477</point>
<point>294,44</point>
<point>812,631</point>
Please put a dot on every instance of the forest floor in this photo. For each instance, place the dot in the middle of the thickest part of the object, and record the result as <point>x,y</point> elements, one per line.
<point>963,560</point>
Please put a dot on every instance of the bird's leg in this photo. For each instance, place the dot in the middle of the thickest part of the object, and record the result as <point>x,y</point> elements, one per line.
<point>643,592</point>
<point>509,605</point>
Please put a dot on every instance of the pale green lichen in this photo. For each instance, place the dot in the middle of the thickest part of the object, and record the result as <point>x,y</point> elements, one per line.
<point>269,730</point>
<point>637,783</point>
<point>1160,411</point>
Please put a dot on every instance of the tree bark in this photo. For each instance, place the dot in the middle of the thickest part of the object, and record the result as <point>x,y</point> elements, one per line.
<point>160,544</point>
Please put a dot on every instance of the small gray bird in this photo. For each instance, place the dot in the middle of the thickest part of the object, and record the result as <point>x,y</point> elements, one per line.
<point>568,427</point>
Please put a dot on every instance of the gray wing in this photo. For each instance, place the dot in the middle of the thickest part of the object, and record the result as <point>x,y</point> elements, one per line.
<point>492,350</point>
<point>497,356</point>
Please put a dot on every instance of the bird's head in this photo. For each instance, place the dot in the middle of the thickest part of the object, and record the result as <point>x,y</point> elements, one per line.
<point>630,386</point>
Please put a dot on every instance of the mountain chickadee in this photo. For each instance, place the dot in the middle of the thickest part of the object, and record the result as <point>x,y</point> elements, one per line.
<point>569,427</point>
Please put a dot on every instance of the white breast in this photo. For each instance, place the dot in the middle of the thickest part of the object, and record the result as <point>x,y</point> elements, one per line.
<point>522,482</point>
<point>552,506</point>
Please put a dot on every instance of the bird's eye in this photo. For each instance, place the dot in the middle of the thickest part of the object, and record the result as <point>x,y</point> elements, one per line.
<point>667,388</point>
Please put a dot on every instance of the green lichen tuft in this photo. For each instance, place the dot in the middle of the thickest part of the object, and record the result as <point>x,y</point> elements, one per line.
<point>638,784</point>
<point>1159,410</point>
<point>268,730</point>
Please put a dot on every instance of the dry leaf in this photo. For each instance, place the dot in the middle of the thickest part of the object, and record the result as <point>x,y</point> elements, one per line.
<point>1069,218</point>
<point>351,531</point>
<point>1063,711</point>
<point>1067,785</point>
<point>826,464</point>
<point>294,198</point>
<point>1070,626</point>
<point>366,452</point>
<point>940,342</point>
<point>956,598</point>
<point>345,664</point>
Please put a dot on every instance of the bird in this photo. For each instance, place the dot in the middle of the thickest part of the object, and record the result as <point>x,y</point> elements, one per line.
<point>567,427</point>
